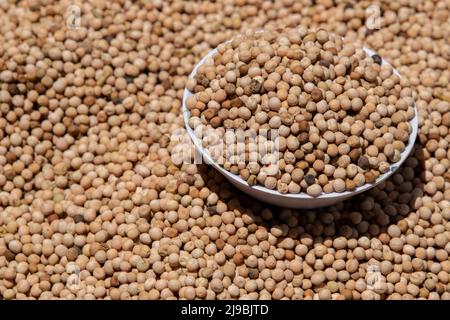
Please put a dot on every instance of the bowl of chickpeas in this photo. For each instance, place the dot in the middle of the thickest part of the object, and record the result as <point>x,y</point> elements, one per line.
<point>299,118</point>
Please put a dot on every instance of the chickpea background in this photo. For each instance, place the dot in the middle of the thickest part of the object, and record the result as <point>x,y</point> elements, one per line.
<point>88,185</point>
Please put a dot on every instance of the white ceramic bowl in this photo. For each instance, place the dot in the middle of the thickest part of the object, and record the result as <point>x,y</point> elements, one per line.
<point>300,200</point>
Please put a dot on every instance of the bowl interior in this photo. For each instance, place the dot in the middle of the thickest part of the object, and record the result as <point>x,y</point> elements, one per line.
<point>238,181</point>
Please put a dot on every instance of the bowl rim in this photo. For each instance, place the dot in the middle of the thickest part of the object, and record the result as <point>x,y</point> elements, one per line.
<point>393,167</point>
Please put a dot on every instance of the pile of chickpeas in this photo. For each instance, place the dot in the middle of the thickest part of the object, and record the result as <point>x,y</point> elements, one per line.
<point>93,205</point>
<point>338,116</point>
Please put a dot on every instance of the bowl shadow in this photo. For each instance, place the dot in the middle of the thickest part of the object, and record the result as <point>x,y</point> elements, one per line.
<point>368,214</point>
